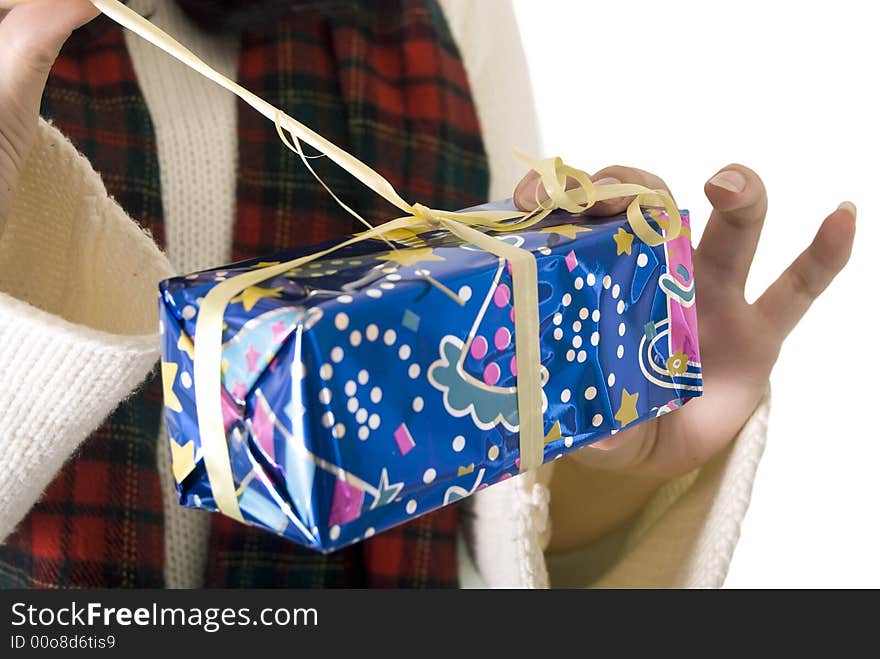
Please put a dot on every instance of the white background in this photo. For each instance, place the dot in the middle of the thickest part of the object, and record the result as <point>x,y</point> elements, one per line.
<point>790,89</point>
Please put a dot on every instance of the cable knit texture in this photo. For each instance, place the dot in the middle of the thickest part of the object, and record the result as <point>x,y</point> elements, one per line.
<point>78,317</point>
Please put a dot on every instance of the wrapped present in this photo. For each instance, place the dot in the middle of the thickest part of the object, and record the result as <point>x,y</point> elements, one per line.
<point>357,394</point>
<point>327,394</point>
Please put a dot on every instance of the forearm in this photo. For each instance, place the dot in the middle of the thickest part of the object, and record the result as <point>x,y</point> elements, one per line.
<point>588,503</point>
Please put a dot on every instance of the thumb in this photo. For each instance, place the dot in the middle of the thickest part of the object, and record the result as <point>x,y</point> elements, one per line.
<point>31,33</point>
<point>40,27</point>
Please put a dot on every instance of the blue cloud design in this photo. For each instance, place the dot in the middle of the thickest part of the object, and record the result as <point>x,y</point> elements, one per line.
<point>463,395</point>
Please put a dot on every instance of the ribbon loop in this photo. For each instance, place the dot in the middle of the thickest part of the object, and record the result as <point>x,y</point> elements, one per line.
<point>583,182</point>
<point>639,224</point>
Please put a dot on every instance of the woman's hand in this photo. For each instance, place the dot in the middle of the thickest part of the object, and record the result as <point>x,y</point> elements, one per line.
<point>31,34</point>
<point>739,343</point>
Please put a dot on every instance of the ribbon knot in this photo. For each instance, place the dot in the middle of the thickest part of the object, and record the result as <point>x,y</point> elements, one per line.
<point>422,212</point>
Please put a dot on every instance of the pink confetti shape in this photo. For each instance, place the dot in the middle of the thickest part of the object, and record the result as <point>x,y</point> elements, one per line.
<point>264,429</point>
<point>571,261</point>
<point>502,338</point>
<point>347,503</point>
<point>231,412</point>
<point>404,439</point>
<point>279,330</point>
<point>252,356</point>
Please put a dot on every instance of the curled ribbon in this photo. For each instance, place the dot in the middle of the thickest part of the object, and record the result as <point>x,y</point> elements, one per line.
<point>469,226</point>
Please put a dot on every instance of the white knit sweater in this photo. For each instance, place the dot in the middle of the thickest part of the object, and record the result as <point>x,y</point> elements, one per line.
<point>78,323</point>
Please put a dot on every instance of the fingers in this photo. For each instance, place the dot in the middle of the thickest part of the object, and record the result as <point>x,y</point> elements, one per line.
<point>31,35</point>
<point>789,297</point>
<point>727,248</point>
<point>620,174</point>
<point>529,192</point>
<point>526,190</point>
<point>38,28</point>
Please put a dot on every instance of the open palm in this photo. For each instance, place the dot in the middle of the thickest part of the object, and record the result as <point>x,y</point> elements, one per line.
<point>739,342</point>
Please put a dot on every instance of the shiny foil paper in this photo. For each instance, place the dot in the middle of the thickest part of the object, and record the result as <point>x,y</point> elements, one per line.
<point>357,394</point>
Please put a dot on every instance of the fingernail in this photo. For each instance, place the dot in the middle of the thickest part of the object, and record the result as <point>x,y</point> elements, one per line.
<point>730,180</point>
<point>608,180</point>
<point>849,207</point>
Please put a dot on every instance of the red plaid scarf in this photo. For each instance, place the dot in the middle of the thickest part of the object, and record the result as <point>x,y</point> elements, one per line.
<point>386,83</point>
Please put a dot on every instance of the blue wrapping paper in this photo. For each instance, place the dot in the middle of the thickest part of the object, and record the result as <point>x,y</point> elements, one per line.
<point>357,395</point>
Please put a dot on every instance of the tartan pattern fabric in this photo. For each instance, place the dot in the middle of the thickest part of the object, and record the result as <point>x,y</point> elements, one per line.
<point>419,554</point>
<point>383,80</point>
<point>100,521</point>
<point>385,83</point>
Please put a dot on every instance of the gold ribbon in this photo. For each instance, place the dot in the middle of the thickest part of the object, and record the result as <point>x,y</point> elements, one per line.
<point>468,226</point>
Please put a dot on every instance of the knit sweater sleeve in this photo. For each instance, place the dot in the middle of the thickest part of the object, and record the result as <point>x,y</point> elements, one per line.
<point>78,317</point>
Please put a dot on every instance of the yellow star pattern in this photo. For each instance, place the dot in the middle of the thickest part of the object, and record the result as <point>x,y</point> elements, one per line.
<point>627,413</point>
<point>264,264</point>
<point>554,434</point>
<point>567,230</point>
<point>407,257</point>
<point>169,373</point>
<point>464,471</point>
<point>624,240</point>
<point>250,296</point>
<point>183,459</point>
<point>184,344</point>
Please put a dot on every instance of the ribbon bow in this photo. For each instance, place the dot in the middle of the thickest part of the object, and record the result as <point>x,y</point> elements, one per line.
<point>469,226</point>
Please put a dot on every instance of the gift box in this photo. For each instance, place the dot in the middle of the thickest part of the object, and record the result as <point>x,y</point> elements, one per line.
<point>373,385</point>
